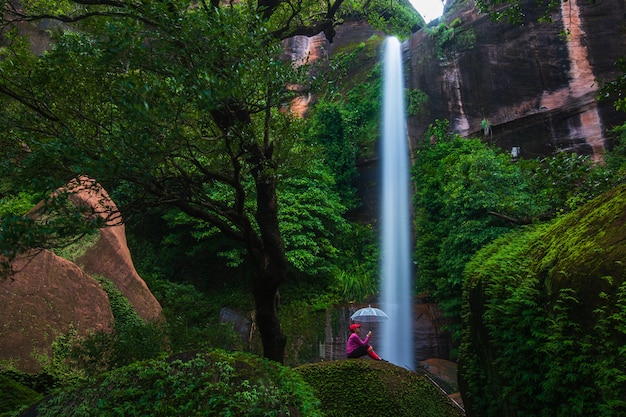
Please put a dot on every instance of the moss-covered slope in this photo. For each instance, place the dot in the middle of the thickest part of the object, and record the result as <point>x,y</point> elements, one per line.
<point>545,318</point>
<point>365,388</point>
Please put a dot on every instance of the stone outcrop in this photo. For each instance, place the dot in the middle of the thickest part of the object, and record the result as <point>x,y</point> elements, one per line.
<point>110,257</point>
<point>48,295</point>
<point>534,86</point>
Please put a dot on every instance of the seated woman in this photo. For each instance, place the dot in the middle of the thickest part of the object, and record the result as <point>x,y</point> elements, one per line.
<point>355,348</point>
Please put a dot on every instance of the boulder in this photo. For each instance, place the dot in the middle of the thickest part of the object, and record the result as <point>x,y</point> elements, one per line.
<point>109,256</point>
<point>544,317</point>
<point>45,298</point>
<point>49,295</point>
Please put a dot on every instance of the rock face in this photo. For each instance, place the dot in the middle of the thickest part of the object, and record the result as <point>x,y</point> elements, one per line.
<point>534,87</point>
<point>48,295</point>
<point>109,256</point>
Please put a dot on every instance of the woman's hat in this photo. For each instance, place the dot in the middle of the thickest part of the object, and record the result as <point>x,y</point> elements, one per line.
<point>354,326</point>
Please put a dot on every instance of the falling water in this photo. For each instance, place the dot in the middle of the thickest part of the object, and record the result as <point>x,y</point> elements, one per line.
<point>396,288</point>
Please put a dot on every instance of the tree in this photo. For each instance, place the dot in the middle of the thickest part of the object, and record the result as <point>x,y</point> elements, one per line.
<point>179,104</point>
<point>460,183</point>
<point>176,102</point>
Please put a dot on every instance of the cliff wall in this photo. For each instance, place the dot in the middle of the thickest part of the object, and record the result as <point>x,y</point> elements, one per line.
<point>534,85</point>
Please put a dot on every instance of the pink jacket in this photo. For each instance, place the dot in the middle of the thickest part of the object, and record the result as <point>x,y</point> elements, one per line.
<point>354,342</point>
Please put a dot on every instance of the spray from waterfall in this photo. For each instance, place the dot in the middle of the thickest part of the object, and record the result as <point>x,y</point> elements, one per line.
<point>396,276</point>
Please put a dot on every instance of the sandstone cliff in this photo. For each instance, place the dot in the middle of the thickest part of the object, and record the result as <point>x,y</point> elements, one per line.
<point>534,85</point>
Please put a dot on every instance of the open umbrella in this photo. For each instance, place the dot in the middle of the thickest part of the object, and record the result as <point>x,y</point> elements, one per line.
<point>369,315</point>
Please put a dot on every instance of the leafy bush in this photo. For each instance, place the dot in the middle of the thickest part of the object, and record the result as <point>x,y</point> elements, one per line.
<point>14,395</point>
<point>460,183</point>
<point>211,383</point>
<point>192,316</point>
<point>451,38</point>
<point>468,194</point>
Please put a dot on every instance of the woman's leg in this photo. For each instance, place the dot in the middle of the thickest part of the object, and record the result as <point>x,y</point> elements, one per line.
<point>372,354</point>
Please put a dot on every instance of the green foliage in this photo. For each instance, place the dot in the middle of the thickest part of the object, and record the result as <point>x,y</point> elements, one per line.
<point>468,194</point>
<point>330,125</point>
<point>614,89</point>
<point>310,218</point>
<point>364,388</point>
<point>14,395</point>
<point>565,181</point>
<point>17,205</point>
<point>417,100</point>
<point>515,11</point>
<point>78,248</point>
<point>451,38</point>
<point>305,326</point>
<point>356,285</point>
<point>395,18</point>
<point>212,383</point>
<point>353,93</point>
<point>459,183</point>
<point>193,317</point>
<point>544,318</point>
<point>355,276</point>
<point>76,357</point>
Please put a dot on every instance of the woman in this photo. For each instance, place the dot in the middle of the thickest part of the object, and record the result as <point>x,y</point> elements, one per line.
<point>355,348</point>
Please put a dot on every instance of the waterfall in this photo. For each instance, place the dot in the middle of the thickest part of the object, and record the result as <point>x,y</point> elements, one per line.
<point>396,276</point>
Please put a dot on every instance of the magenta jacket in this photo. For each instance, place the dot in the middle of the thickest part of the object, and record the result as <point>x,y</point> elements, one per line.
<point>354,342</point>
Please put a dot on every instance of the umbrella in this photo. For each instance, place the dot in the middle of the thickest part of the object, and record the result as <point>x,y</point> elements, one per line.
<point>369,315</point>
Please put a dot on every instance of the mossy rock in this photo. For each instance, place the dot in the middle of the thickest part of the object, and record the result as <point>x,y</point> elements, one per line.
<point>191,384</point>
<point>14,396</point>
<point>544,313</point>
<point>582,250</point>
<point>366,388</point>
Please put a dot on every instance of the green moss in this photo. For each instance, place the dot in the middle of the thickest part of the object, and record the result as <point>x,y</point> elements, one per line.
<point>77,249</point>
<point>578,251</point>
<point>366,388</point>
<point>545,318</point>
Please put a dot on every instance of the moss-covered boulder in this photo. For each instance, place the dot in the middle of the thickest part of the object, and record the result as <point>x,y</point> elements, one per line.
<point>365,388</point>
<point>212,383</point>
<point>545,318</point>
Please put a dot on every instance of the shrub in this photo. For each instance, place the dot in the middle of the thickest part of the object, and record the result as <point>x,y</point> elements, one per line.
<point>192,384</point>
<point>14,395</point>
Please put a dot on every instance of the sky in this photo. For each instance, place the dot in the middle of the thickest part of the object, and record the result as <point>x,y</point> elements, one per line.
<point>429,9</point>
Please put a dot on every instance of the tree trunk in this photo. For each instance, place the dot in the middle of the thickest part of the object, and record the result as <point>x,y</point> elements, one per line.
<point>266,305</point>
<point>270,269</point>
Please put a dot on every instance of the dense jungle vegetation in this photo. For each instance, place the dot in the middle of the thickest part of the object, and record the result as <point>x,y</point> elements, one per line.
<point>225,196</point>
